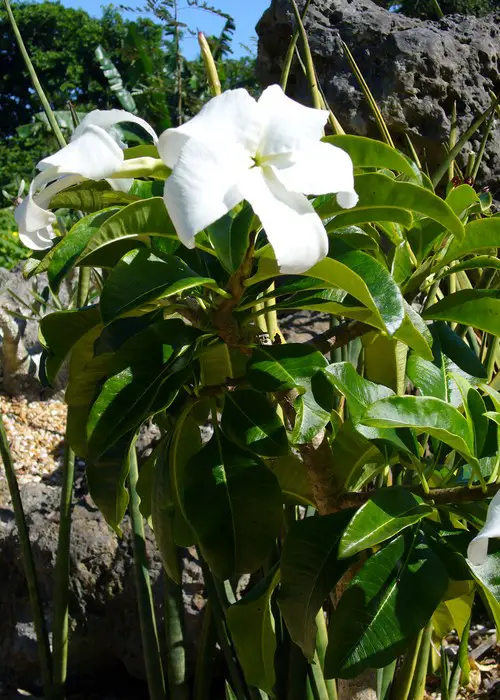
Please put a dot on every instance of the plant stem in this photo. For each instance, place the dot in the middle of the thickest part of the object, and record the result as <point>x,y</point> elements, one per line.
<point>83,287</point>
<point>291,50</point>
<point>418,686</point>
<point>204,659</point>
<point>321,644</point>
<point>34,78</point>
<point>149,634</point>
<point>491,356</point>
<point>61,582</point>
<point>29,566</point>
<point>311,73</point>
<point>174,632</point>
<point>405,676</point>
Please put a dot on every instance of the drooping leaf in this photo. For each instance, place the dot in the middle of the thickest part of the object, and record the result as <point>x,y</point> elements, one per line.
<point>370,153</point>
<point>480,235</point>
<point>251,421</point>
<point>387,512</point>
<point>478,308</point>
<point>251,624</point>
<point>377,616</point>
<point>234,504</point>
<point>313,408</point>
<point>292,476</point>
<point>280,367</point>
<point>310,568</point>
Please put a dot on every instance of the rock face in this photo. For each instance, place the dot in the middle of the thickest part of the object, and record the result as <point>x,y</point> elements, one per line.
<point>105,641</point>
<point>415,69</point>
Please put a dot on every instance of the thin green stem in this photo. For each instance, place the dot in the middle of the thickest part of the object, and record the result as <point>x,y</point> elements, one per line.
<point>61,578</point>
<point>321,644</point>
<point>29,566</point>
<point>418,686</point>
<point>83,287</point>
<point>491,356</point>
<point>204,659</point>
<point>316,680</point>
<point>34,78</point>
<point>405,676</point>
<point>311,73</point>
<point>149,634</point>
<point>174,634</point>
<point>291,50</point>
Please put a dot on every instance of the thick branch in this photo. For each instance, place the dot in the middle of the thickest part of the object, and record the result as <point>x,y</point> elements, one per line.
<point>338,336</point>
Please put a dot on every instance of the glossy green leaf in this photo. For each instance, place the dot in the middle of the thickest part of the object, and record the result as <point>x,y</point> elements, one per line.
<point>359,392</point>
<point>65,254</point>
<point>313,408</point>
<point>251,625</point>
<point>385,361</point>
<point>106,478</point>
<point>369,153</point>
<point>293,479</point>
<point>478,308</point>
<point>310,568</point>
<point>281,367</point>
<point>142,277</point>
<point>387,512</point>
<point>377,616</point>
<point>147,217</point>
<point>487,576</point>
<point>461,198</point>
<point>61,331</point>
<point>250,420</point>
<point>229,237</point>
<point>378,190</point>
<point>478,262</point>
<point>434,416</point>
<point>90,197</point>
<point>218,361</point>
<point>234,504</point>
<point>351,451</point>
<point>369,214</point>
<point>480,235</point>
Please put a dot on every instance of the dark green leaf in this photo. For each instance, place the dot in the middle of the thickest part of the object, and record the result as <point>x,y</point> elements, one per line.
<point>313,408</point>
<point>229,237</point>
<point>292,476</point>
<point>281,367</point>
<point>106,479</point>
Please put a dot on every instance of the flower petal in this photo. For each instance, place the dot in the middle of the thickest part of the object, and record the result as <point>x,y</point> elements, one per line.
<point>319,169</point>
<point>477,551</point>
<point>202,187</point>
<point>292,226</point>
<point>94,155</point>
<point>234,115</point>
<point>107,118</point>
<point>121,184</point>
<point>288,125</point>
<point>32,216</point>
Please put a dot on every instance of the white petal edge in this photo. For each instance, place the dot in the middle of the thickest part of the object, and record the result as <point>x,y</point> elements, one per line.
<point>202,187</point>
<point>293,228</point>
<point>234,115</point>
<point>33,218</point>
<point>477,551</point>
<point>107,118</point>
<point>94,155</point>
<point>319,169</point>
<point>288,125</point>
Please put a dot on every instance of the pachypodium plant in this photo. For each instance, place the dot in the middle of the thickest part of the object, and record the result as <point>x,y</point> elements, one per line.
<point>348,474</point>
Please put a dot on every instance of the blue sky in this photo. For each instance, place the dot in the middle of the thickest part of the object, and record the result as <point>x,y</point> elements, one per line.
<point>246,13</point>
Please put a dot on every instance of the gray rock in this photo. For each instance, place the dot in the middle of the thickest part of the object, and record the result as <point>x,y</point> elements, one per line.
<point>415,69</point>
<point>105,639</point>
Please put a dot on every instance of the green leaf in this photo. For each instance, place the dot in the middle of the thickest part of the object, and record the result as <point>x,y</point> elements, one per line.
<point>61,331</point>
<point>163,514</point>
<point>369,153</point>
<point>281,367</point>
<point>377,190</point>
<point>142,277</point>
<point>351,451</point>
<point>229,237</point>
<point>313,408</point>
<point>294,482</point>
<point>478,262</point>
<point>250,420</point>
<point>147,217</point>
<point>106,478</point>
<point>385,361</point>
<point>369,214</point>
<point>64,255</point>
<point>218,362</point>
<point>359,392</point>
<point>251,625</point>
<point>310,568</point>
<point>478,308</point>
<point>90,197</point>
<point>425,413</point>
<point>461,198</point>
<point>387,512</point>
<point>488,577</point>
<point>386,605</point>
<point>480,235</point>
<point>234,504</point>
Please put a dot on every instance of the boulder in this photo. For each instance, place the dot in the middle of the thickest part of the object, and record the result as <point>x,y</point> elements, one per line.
<point>415,69</point>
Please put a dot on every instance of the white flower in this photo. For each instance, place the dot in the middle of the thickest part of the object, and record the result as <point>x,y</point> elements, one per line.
<point>477,551</point>
<point>92,154</point>
<point>268,152</point>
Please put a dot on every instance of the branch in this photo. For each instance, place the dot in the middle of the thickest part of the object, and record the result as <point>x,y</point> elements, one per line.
<point>338,336</point>
<point>457,494</point>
